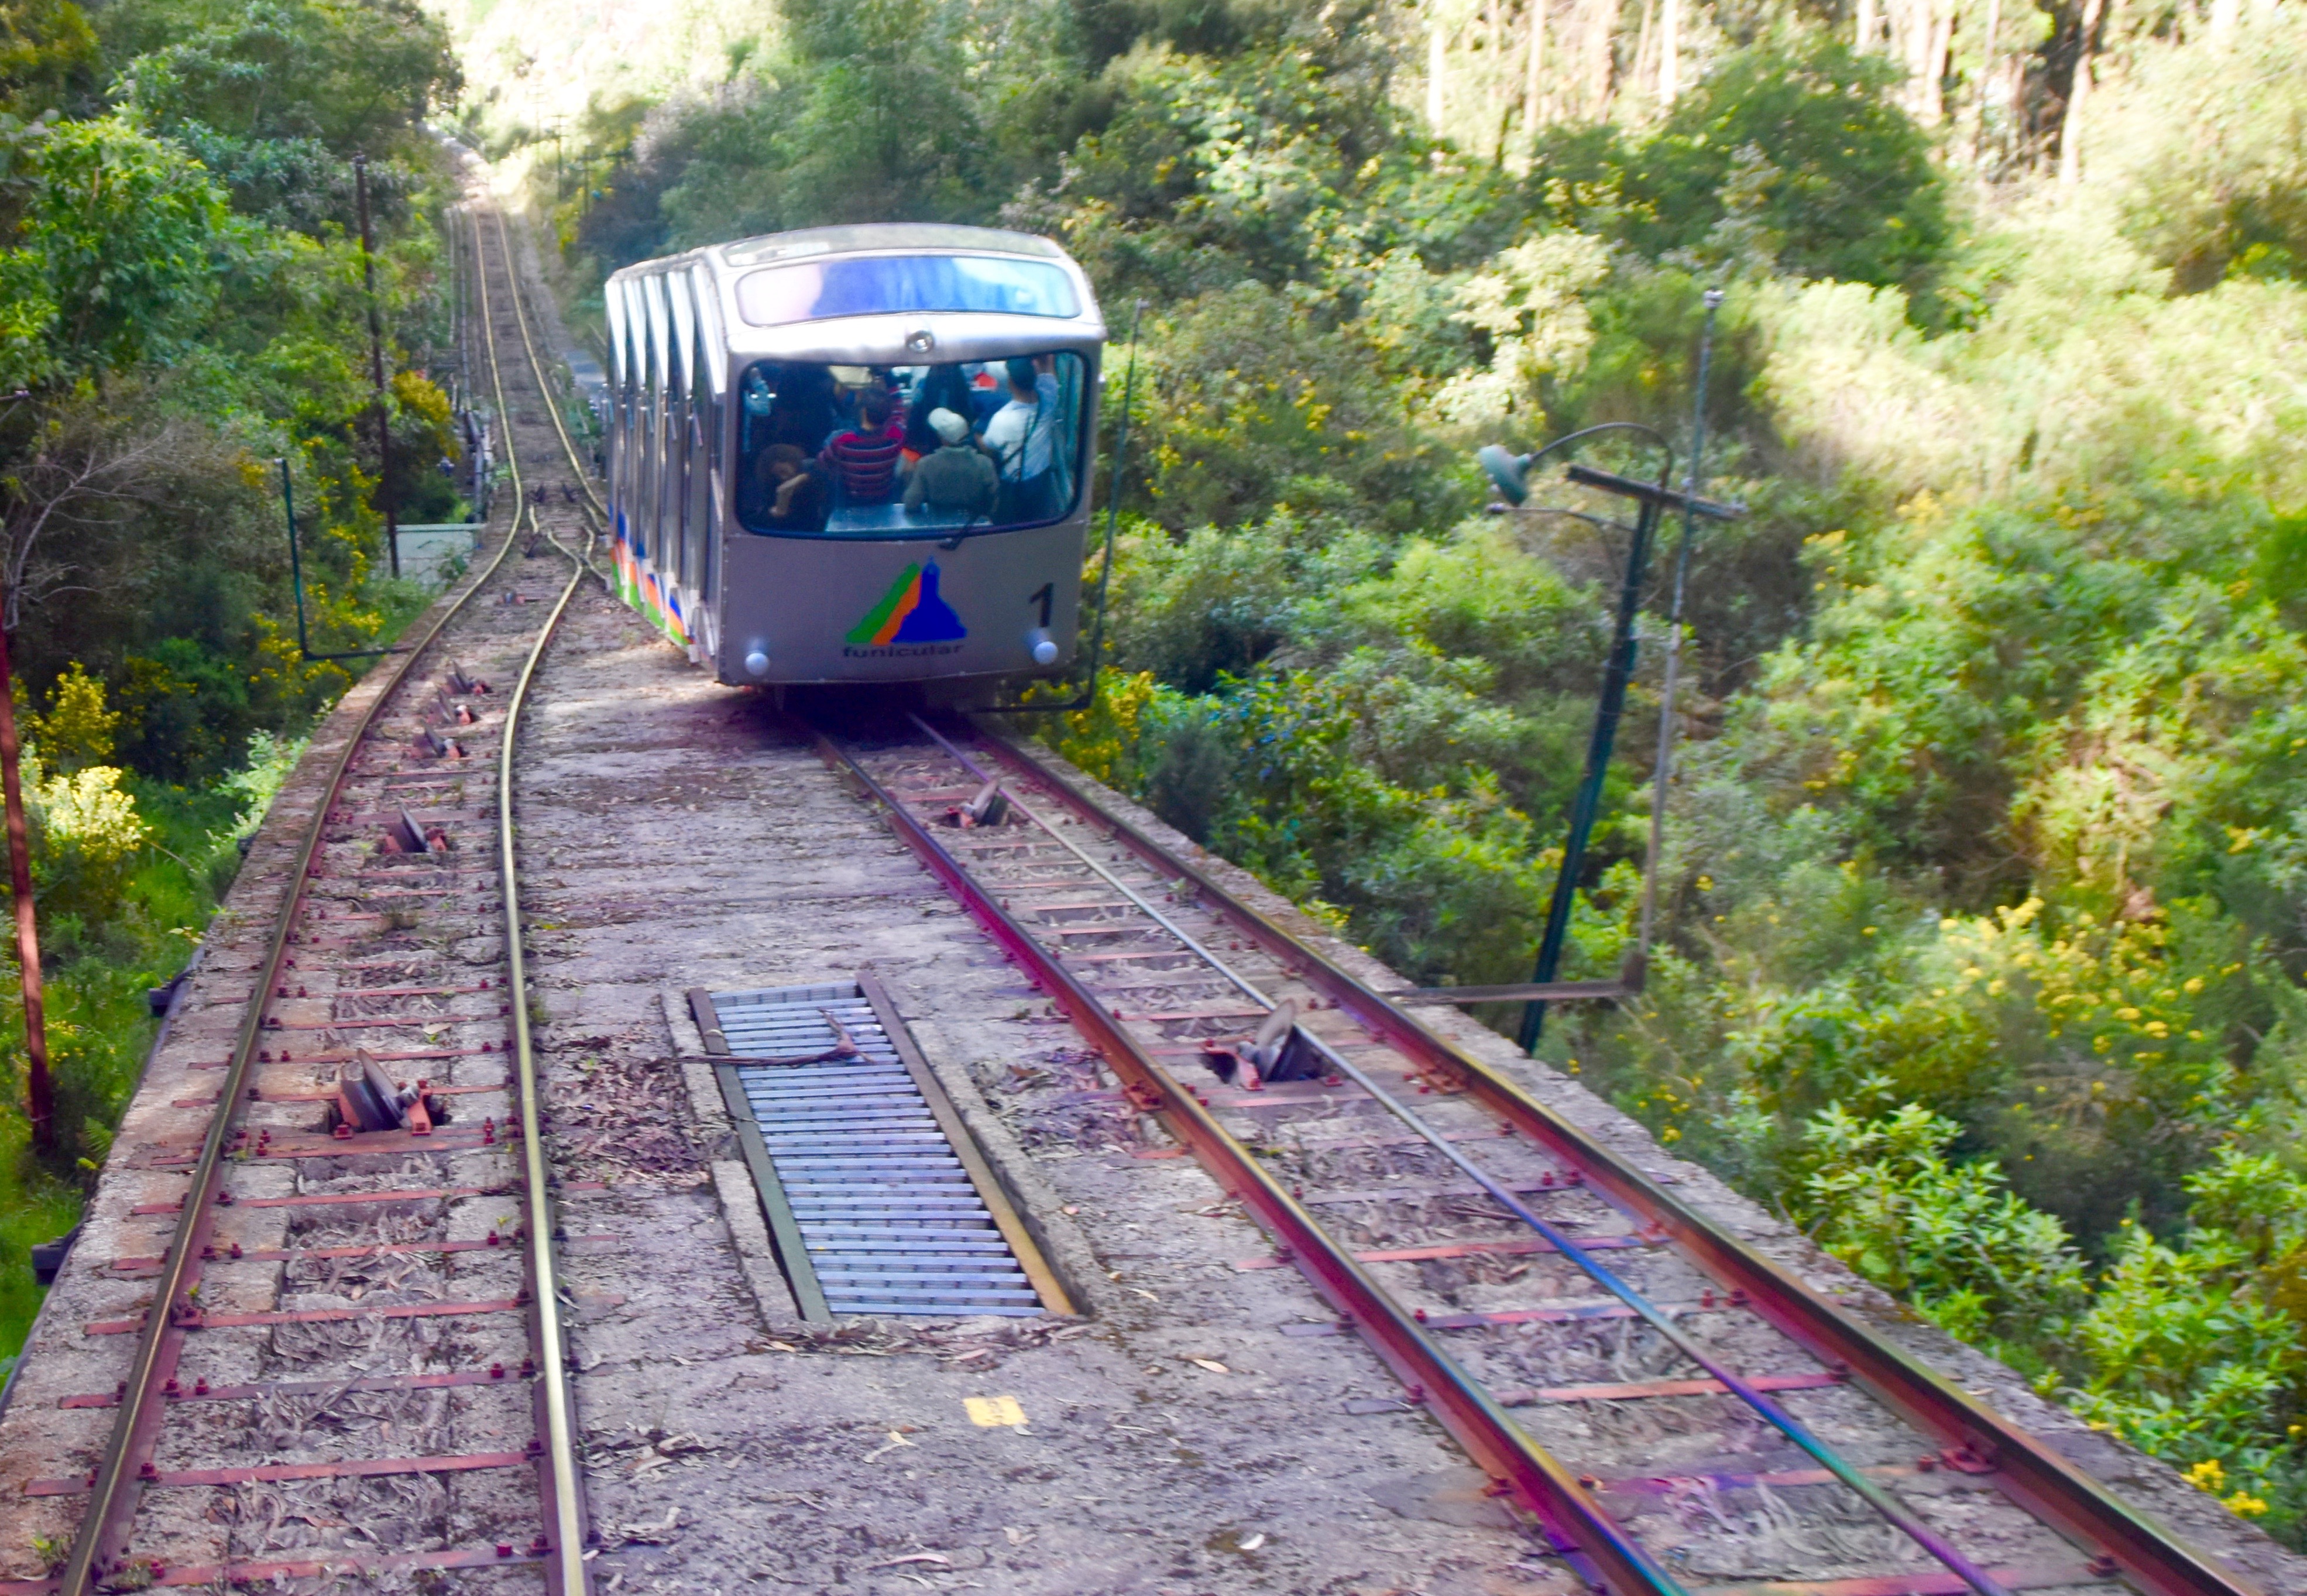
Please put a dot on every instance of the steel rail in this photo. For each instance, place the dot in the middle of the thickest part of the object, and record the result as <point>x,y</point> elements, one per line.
<point>1773,1414</point>
<point>1539,1482</point>
<point>543,388</point>
<point>599,515</point>
<point>560,1481</point>
<point>113,1495</point>
<point>2031,1474</point>
<point>1143,905</point>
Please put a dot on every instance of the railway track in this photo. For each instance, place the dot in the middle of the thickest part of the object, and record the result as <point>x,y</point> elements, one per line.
<point>368,1374</point>
<point>352,1365</point>
<point>1588,1339</point>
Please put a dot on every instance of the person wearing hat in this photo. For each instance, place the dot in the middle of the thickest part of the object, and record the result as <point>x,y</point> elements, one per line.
<point>957,479</point>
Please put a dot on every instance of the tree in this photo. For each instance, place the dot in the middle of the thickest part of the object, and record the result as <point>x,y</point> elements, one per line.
<point>127,231</point>
<point>47,56</point>
<point>1809,147</point>
<point>353,76</point>
<point>82,469</point>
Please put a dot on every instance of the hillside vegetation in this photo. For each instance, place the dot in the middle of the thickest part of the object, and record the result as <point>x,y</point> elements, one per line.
<point>1987,856</point>
<point>181,308</point>
<point>1986,892</point>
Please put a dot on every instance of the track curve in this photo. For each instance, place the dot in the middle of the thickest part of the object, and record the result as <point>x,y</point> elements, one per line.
<point>104,1549</point>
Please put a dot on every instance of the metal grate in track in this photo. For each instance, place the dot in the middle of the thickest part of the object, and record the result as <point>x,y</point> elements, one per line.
<point>888,1217</point>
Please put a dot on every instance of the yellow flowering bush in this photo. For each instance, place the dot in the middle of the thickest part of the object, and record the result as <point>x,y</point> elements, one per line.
<point>86,834</point>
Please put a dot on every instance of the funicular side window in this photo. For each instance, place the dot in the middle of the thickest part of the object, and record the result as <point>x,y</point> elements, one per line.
<point>835,450</point>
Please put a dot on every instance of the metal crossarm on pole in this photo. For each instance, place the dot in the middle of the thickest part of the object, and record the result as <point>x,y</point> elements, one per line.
<point>1655,498</point>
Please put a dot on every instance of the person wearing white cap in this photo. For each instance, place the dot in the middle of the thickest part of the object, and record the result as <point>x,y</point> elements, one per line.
<point>957,479</point>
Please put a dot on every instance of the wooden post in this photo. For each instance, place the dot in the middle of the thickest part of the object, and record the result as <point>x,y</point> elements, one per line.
<point>376,369</point>
<point>39,1087</point>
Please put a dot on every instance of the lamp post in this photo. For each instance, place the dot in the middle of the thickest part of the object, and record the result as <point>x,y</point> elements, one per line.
<point>1511,474</point>
<point>1690,484</point>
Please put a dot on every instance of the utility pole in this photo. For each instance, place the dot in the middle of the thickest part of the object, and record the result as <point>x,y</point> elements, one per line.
<point>376,369</point>
<point>1663,773</point>
<point>39,1087</point>
<point>1654,499</point>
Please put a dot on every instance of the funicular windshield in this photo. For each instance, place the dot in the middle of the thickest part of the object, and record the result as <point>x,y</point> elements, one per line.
<point>853,451</point>
<point>880,285</point>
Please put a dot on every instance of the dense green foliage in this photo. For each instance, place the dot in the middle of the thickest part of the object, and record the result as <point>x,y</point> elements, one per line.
<point>1986,892</point>
<point>1794,159</point>
<point>181,305</point>
<point>1985,923</point>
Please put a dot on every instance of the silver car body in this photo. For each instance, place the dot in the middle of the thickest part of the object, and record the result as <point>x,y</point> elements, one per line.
<point>771,608</point>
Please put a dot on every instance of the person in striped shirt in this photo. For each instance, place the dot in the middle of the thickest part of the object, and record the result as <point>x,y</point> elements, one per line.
<point>864,460</point>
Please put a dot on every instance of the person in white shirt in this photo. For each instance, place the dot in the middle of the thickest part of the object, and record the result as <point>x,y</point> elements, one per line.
<point>1020,438</point>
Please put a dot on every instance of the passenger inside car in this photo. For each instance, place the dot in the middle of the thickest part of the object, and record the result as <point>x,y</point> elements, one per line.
<point>864,460</point>
<point>792,490</point>
<point>1021,439</point>
<point>803,414</point>
<point>939,387</point>
<point>1023,424</point>
<point>956,479</point>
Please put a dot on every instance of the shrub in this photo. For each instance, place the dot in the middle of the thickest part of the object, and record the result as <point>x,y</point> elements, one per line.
<point>1948,1238</point>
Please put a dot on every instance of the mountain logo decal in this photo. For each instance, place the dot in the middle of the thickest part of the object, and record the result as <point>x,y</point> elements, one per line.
<point>911,612</point>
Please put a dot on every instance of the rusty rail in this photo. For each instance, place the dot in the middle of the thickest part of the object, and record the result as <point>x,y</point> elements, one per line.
<point>561,1481</point>
<point>2119,1539</point>
<point>116,1492</point>
<point>1532,1476</point>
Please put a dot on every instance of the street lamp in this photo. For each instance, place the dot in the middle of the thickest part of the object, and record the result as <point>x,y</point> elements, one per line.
<point>1510,474</point>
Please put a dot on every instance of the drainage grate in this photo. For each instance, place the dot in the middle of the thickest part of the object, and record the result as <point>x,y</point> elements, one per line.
<point>877,1200</point>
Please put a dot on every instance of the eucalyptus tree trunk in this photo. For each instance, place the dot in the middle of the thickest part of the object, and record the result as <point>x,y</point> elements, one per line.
<point>2070,125</point>
<point>1601,29</point>
<point>1533,70</point>
<point>1645,36</point>
<point>1930,84</point>
<point>1915,28</point>
<point>1990,59</point>
<point>1669,66</point>
<point>1437,66</point>
<point>1494,71</point>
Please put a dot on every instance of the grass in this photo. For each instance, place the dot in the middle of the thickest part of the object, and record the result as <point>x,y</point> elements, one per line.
<point>34,1211</point>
